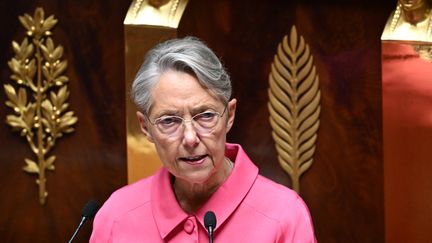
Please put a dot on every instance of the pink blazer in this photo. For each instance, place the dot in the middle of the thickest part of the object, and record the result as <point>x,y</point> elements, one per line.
<point>248,208</point>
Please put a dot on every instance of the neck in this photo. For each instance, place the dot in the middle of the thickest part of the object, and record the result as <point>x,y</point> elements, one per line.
<point>416,15</point>
<point>191,196</point>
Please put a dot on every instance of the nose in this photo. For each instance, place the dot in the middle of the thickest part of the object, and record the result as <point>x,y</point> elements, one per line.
<point>190,136</point>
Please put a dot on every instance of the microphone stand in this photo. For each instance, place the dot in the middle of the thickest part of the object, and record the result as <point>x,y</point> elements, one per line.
<point>83,219</point>
<point>210,233</point>
<point>88,212</point>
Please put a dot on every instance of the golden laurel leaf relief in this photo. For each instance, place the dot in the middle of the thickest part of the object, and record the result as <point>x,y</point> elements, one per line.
<point>38,96</point>
<point>294,106</point>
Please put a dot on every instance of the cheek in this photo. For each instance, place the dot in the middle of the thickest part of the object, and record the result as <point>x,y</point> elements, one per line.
<point>167,150</point>
<point>216,144</point>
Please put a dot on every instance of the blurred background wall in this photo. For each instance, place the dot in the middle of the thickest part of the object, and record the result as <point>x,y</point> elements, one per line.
<point>343,188</point>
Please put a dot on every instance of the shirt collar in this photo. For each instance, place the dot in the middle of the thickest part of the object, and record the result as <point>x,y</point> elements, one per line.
<point>167,212</point>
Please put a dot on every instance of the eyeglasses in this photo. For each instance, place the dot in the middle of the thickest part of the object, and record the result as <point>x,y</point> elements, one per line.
<point>203,123</point>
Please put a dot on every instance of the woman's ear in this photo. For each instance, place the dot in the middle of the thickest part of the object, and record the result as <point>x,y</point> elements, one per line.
<point>143,125</point>
<point>231,109</point>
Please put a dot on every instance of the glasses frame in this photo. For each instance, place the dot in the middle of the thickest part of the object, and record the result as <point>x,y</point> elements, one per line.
<point>191,120</point>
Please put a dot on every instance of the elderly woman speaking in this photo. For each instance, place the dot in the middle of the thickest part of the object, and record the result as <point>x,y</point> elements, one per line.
<point>208,189</point>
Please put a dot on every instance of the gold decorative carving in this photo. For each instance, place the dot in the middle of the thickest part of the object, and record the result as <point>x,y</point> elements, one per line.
<point>39,102</point>
<point>294,106</point>
<point>158,3</point>
<point>424,51</point>
<point>410,22</point>
<point>156,12</point>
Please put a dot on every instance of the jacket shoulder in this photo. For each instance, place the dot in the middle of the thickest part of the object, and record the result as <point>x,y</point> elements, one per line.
<point>276,201</point>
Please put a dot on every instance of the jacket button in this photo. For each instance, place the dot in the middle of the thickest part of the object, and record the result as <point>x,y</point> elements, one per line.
<point>189,226</point>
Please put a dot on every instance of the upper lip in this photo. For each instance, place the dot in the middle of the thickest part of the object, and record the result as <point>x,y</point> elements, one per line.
<point>192,157</point>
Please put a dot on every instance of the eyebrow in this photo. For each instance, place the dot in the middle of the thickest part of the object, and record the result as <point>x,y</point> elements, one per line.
<point>193,111</point>
<point>202,108</point>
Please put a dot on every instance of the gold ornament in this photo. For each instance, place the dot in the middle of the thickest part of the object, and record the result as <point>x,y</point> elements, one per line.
<point>39,102</point>
<point>294,106</point>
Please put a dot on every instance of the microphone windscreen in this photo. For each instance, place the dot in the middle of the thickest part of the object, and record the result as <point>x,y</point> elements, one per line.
<point>210,219</point>
<point>90,209</point>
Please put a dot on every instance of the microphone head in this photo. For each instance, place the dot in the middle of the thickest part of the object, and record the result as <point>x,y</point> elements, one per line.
<point>90,209</point>
<point>210,220</point>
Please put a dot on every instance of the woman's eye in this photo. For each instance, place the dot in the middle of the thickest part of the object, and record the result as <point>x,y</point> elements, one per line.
<point>208,115</point>
<point>170,120</point>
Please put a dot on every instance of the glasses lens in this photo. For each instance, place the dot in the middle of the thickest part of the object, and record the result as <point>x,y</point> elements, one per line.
<point>203,123</point>
<point>206,121</point>
<point>168,124</point>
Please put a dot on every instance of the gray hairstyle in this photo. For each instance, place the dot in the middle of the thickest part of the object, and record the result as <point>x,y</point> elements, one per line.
<point>188,55</point>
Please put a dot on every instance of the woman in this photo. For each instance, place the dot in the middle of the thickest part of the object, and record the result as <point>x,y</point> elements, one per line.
<point>183,94</point>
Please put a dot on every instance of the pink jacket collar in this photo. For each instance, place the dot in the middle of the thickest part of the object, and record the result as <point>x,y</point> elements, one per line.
<point>167,212</point>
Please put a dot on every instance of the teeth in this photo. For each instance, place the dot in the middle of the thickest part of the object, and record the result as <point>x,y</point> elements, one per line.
<point>194,158</point>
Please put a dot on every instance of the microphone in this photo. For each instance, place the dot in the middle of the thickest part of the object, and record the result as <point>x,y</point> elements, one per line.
<point>210,224</point>
<point>88,212</point>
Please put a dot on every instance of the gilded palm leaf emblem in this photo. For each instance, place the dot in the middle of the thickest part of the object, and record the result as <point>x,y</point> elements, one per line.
<point>294,106</point>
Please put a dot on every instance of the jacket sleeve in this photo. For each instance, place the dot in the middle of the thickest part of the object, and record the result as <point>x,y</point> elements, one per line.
<point>296,224</point>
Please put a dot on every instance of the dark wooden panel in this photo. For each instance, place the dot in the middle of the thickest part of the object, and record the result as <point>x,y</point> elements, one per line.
<point>91,162</point>
<point>344,187</point>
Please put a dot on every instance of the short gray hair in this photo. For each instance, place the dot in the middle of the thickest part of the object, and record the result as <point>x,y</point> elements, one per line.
<point>189,55</point>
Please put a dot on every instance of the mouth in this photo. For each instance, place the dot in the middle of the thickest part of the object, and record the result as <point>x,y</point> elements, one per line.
<point>193,159</point>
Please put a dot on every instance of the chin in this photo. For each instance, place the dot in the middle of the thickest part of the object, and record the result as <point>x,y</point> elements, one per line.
<point>197,178</point>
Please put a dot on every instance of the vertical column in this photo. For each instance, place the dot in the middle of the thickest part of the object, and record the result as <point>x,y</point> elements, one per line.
<point>407,122</point>
<point>146,24</point>
<point>407,138</point>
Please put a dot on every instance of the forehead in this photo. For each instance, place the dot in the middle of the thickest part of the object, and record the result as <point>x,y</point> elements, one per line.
<point>178,91</point>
